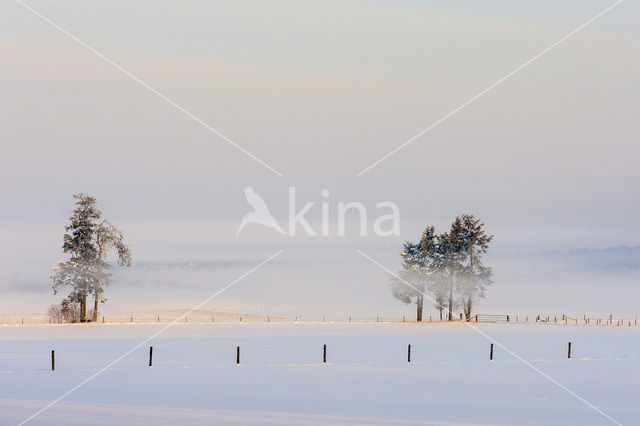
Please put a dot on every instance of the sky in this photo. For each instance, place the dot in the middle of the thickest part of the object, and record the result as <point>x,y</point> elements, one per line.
<point>318,91</point>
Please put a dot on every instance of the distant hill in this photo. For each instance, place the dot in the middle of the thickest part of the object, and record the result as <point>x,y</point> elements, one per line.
<point>622,259</point>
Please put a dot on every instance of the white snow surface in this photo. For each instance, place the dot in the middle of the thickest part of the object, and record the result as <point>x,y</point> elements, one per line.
<point>282,380</point>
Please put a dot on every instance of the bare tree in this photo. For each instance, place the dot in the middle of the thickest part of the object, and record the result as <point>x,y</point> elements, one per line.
<point>107,237</point>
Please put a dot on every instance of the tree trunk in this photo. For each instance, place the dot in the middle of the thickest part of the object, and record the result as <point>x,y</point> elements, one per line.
<point>468,309</point>
<point>440,309</point>
<point>95,306</point>
<point>419,302</point>
<point>83,306</point>
<point>451,300</point>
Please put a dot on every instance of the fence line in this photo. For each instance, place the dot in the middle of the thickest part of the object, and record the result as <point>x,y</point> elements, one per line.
<point>559,353</point>
<point>226,318</point>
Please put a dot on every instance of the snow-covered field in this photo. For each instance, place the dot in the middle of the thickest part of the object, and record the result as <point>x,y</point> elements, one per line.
<point>282,380</point>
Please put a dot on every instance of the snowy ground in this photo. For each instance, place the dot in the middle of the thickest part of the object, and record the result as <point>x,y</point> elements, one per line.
<point>282,380</point>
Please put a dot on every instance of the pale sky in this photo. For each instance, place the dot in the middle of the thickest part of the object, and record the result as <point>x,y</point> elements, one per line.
<point>319,91</point>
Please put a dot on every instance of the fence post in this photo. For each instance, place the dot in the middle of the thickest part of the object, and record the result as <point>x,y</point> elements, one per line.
<point>429,318</point>
<point>569,351</point>
<point>324,353</point>
<point>409,353</point>
<point>240,319</point>
<point>132,319</point>
<point>158,318</point>
<point>23,321</point>
<point>403,318</point>
<point>491,353</point>
<point>150,356</point>
<point>238,355</point>
<point>103,319</point>
<point>53,360</point>
<point>186,320</point>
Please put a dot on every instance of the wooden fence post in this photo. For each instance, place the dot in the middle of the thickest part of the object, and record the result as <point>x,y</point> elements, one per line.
<point>238,355</point>
<point>409,353</point>
<point>569,351</point>
<point>491,353</point>
<point>53,360</point>
<point>150,356</point>
<point>132,319</point>
<point>324,353</point>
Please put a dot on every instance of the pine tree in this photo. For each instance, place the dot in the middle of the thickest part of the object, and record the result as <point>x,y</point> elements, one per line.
<point>80,270</point>
<point>448,261</point>
<point>475,277</point>
<point>88,242</point>
<point>416,264</point>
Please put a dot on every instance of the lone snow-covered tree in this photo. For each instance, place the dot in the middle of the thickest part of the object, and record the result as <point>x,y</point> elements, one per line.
<point>87,241</point>
<point>474,276</point>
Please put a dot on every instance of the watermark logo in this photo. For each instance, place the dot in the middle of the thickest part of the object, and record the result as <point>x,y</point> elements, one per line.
<point>385,224</point>
<point>260,214</point>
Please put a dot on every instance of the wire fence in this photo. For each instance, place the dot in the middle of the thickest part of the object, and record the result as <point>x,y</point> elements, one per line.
<point>212,317</point>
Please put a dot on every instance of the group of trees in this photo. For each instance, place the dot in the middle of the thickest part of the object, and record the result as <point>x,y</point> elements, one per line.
<point>88,240</point>
<point>446,268</point>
